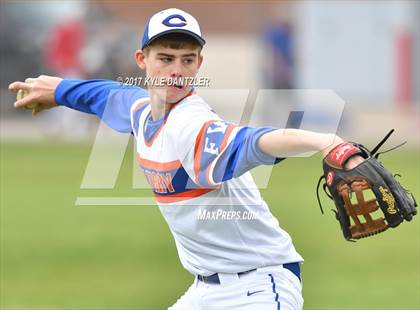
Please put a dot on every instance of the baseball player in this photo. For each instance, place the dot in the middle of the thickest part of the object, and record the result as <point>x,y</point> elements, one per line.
<point>198,167</point>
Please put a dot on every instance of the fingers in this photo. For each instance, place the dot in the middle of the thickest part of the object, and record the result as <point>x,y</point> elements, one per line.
<point>24,101</point>
<point>19,85</point>
<point>23,97</point>
<point>29,94</point>
<point>29,80</point>
<point>15,86</point>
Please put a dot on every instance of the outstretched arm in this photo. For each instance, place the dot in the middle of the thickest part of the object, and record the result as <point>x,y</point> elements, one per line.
<point>109,100</point>
<point>223,151</point>
<point>291,142</point>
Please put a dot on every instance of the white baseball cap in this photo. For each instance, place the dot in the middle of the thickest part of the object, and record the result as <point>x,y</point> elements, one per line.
<point>171,21</point>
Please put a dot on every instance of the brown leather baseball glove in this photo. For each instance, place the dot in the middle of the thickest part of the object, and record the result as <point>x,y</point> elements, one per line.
<point>359,192</point>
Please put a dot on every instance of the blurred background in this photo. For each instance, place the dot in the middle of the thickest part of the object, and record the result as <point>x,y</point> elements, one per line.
<point>55,255</point>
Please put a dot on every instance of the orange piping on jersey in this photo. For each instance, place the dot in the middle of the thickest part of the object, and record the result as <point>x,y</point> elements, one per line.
<point>222,147</point>
<point>198,147</point>
<point>214,185</point>
<point>198,158</point>
<point>183,196</point>
<point>225,139</point>
<point>134,108</point>
<point>158,166</point>
<point>150,143</point>
<point>141,102</point>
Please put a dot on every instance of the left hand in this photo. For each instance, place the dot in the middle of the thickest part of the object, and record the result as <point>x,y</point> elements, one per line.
<point>353,162</point>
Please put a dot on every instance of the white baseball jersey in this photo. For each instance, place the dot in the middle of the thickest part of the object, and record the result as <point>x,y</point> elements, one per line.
<point>197,165</point>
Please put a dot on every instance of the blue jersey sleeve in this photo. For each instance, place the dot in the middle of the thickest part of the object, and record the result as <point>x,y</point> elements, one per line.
<point>243,154</point>
<point>224,151</point>
<point>111,101</point>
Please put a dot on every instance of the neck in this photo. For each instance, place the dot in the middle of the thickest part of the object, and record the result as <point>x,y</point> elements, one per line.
<point>158,110</point>
<point>158,104</point>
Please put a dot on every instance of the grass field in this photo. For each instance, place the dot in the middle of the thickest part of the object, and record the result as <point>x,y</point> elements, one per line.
<point>58,256</point>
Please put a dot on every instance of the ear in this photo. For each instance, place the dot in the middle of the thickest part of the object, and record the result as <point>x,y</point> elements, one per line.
<point>140,59</point>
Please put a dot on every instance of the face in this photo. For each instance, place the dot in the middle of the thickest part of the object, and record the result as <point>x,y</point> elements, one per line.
<point>162,64</point>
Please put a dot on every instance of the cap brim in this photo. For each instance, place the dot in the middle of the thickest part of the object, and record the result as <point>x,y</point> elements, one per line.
<point>199,39</point>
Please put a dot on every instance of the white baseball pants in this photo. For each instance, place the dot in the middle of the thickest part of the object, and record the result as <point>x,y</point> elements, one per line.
<point>271,287</point>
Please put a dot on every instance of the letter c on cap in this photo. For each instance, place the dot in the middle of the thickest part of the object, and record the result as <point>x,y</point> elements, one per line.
<point>167,21</point>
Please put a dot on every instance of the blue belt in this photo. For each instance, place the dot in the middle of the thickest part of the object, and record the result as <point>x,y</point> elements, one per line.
<point>214,278</point>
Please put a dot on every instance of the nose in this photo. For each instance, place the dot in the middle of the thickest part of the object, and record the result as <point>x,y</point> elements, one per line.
<point>176,70</point>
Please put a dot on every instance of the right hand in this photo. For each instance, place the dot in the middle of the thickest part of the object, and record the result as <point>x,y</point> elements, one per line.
<point>41,91</point>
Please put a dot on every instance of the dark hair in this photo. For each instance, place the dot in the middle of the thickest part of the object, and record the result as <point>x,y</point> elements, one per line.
<point>176,41</point>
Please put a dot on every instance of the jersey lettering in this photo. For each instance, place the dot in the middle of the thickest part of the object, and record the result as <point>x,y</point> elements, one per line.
<point>217,127</point>
<point>161,182</point>
<point>210,147</point>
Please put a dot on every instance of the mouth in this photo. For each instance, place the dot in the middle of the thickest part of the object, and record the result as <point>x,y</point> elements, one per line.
<point>176,86</point>
<point>177,83</point>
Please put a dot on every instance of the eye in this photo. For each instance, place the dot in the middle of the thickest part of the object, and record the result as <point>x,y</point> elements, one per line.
<point>165,59</point>
<point>188,61</point>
